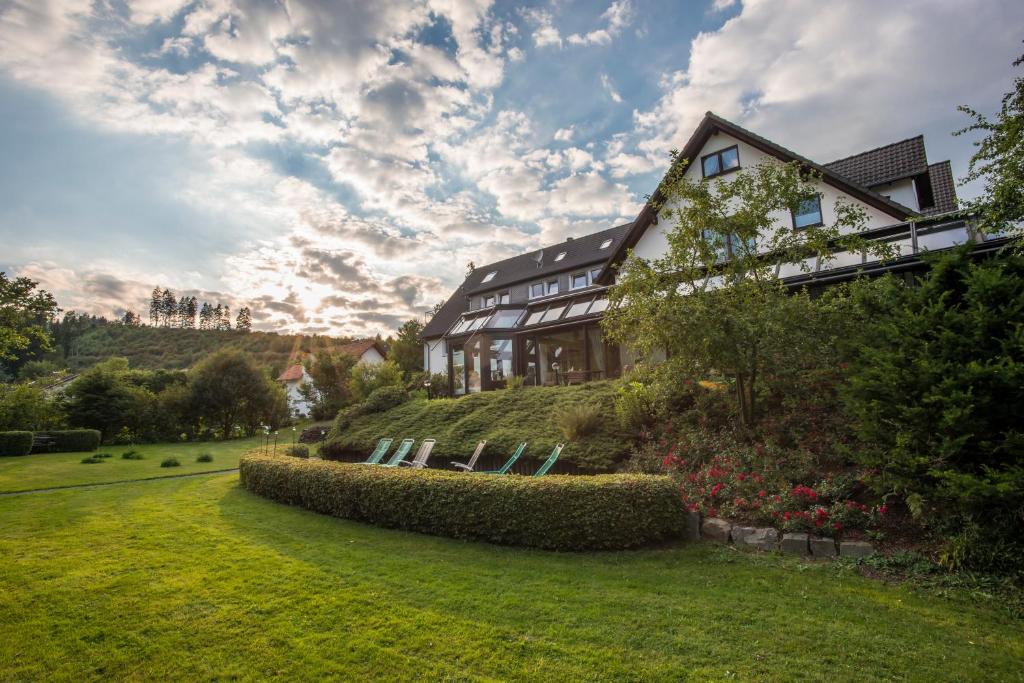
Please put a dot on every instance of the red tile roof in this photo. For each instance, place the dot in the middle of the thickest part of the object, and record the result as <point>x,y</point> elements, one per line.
<point>293,373</point>
<point>358,348</point>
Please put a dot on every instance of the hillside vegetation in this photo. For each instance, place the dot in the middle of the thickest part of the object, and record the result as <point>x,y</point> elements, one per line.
<point>503,418</point>
<point>162,348</point>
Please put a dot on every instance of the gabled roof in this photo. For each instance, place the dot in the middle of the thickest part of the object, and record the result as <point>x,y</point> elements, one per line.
<point>943,188</point>
<point>711,124</point>
<point>292,373</point>
<point>361,346</point>
<point>533,265</point>
<point>884,164</point>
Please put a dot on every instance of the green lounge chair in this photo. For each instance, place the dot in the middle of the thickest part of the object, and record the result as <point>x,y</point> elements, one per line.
<point>403,450</point>
<point>420,461</point>
<point>382,447</point>
<point>550,461</point>
<point>511,461</point>
<point>468,466</point>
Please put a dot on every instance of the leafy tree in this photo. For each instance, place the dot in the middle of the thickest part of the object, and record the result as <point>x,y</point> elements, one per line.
<point>190,313</point>
<point>329,389</point>
<point>131,319</point>
<point>155,304</point>
<point>713,302</point>
<point>244,320</point>
<point>936,390</point>
<point>25,318</point>
<point>407,350</point>
<point>206,317</point>
<point>107,398</point>
<point>24,407</point>
<point>368,377</point>
<point>168,308</point>
<point>999,161</point>
<point>229,389</point>
<point>38,369</point>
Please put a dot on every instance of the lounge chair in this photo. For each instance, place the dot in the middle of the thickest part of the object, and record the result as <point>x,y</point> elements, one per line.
<point>382,447</point>
<point>511,461</point>
<point>468,466</point>
<point>550,461</point>
<point>420,461</point>
<point>403,450</point>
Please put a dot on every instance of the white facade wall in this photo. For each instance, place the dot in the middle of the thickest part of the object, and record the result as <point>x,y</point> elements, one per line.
<point>435,356</point>
<point>652,243</point>
<point>902,191</point>
<point>371,356</point>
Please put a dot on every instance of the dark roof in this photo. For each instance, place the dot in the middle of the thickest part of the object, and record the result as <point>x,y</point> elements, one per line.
<point>579,252</point>
<point>943,187</point>
<point>884,164</point>
<point>712,123</point>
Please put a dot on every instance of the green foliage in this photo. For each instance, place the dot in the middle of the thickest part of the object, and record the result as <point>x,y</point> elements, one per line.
<point>439,385</point>
<point>384,398</point>
<point>170,462</point>
<point>579,421</point>
<point>937,390</point>
<point>229,389</point>
<point>330,374</point>
<point>512,382</point>
<point>27,407</point>
<point>38,369</point>
<point>24,317</point>
<point>91,460</point>
<point>131,455</point>
<point>74,440</point>
<point>604,512</point>
<point>503,418</point>
<point>15,443</point>
<point>204,457</point>
<point>407,349</point>
<point>368,377</point>
<point>297,451</point>
<point>999,161</point>
<point>713,302</point>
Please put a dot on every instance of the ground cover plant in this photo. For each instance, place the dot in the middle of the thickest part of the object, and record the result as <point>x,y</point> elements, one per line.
<point>504,418</point>
<point>49,470</point>
<point>171,462</point>
<point>210,582</point>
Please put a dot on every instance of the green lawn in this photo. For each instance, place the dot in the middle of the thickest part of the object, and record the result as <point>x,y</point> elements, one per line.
<point>195,579</point>
<point>49,470</point>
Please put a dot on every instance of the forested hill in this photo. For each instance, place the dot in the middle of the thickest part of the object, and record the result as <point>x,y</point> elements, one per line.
<point>169,348</point>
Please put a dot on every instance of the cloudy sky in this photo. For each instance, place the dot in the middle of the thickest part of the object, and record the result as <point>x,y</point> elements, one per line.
<point>336,163</point>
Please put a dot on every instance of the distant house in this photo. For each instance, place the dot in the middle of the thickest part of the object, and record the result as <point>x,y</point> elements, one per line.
<point>295,376</point>
<point>537,315</point>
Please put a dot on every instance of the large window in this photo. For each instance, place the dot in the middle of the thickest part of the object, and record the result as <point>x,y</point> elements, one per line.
<point>808,214</point>
<point>568,357</point>
<point>720,162</point>
<point>487,301</point>
<point>577,281</point>
<point>504,297</point>
<point>458,371</point>
<point>500,360</point>
<point>539,289</point>
<point>505,318</point>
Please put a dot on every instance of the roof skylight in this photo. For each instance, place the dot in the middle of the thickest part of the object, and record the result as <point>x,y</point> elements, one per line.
<point>607,243</point>
<point>489,276</point>
<point>561,255</point>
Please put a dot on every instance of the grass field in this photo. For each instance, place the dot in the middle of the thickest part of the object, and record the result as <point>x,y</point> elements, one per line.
<point>49,470</point>
<point>195,579</point>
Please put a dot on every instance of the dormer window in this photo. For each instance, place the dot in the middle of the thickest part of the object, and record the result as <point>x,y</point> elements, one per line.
<point>808,214</point>
<point>489,276</point>
<point>577,281</point>
<point>487,301</point>
<point>721,162</point>
<point>604,245</point>
<point>561,255</point>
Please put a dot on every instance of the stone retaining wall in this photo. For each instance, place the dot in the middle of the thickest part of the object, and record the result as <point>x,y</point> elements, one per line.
<point>767,538</point>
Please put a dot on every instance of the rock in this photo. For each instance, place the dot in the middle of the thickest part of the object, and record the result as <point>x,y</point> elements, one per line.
<point>855,548</point>
<point>715,529</point>
<point>823,547</point>
<point>757,538</point>
<point>795,544</point>
<point>691,531</point>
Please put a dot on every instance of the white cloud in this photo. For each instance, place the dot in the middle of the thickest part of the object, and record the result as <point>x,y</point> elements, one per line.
<point>609,88</point>
<point>564,134</point>
<point>544,31</point>
<point>618,15</point>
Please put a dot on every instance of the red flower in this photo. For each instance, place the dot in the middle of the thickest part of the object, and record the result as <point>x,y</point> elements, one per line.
<point>883,509</point>
<point>838,526</point>
<point>762,493</point>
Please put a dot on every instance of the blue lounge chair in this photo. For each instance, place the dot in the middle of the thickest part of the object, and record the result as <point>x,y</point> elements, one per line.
<point>550,461</point>
<point>511,461</point>
<point>403,450</point>
<point>382,447</point>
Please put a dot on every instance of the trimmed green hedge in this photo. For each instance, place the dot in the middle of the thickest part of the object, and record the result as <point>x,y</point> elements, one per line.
<point>74,440</point>
<point>15,443</point>
<point>602,512</point>
<point>504,418</point>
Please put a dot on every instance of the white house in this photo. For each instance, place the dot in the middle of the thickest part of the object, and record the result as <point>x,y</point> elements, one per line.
<point>295,376</point>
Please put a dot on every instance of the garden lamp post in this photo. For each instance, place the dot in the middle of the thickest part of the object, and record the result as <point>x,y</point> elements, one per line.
<point>555,366</point>
<point>426,385</point>
<point>275,442</point>
<point>293,436</point>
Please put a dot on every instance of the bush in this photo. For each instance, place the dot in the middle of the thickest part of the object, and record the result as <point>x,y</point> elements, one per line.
<point>579,421</point>
<point>15,443</point>
<point>74,440</point>
<point>91,460</point>
<point>383,399</point>
<point>204,457</point>
<point>170,462</point>
<point>604,512</point>
<point>936,391</point>
<point>513,382</point>
<point>368,377</point>
<point>298,451</point>
<point>131,455</point>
